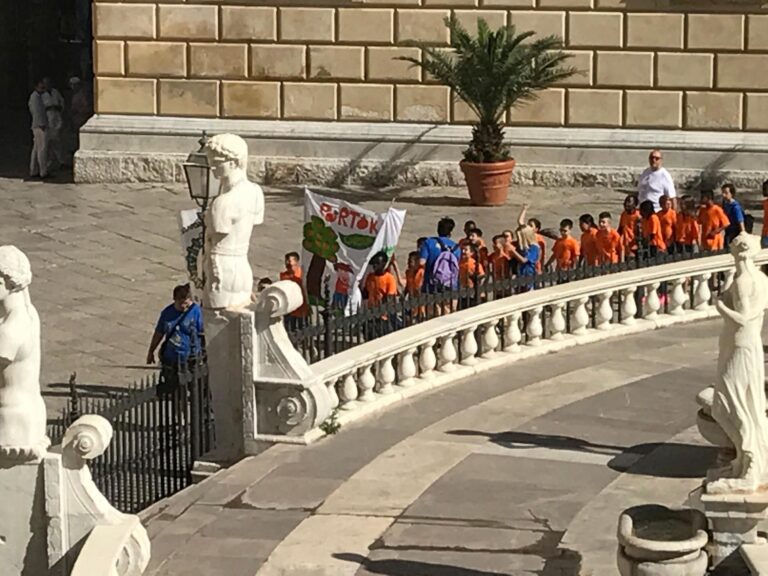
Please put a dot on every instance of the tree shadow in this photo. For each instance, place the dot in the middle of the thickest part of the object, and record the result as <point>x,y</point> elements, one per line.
<point>398,567</point>
<point>659,459</point>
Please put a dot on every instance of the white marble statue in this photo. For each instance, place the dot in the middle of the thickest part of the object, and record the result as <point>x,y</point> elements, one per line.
<point>739,400</point>
<point>229,223</point>
<point>22,410</point>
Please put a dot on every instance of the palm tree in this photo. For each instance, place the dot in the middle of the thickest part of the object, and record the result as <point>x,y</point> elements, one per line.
<point>492,72</point>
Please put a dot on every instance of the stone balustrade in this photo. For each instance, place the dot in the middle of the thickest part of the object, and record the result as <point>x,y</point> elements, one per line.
<point>378,373</point>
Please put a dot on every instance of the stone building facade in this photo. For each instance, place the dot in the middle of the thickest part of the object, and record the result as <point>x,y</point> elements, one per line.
<point>313,84</point>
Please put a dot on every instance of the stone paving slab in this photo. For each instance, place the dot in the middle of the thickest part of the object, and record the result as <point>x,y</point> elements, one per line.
<point>106,256</point>
<point>469,480</point>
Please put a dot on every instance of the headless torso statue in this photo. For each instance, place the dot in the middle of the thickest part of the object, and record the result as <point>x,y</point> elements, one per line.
<point>22,410</point>
<point>229,223</point>
<point>739,401</point>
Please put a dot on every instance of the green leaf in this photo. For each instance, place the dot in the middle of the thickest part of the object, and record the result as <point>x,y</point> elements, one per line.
<point>492,71</point>
<point>357,241</point>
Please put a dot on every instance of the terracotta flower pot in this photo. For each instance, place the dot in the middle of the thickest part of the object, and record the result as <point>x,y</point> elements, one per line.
<point>488,183</point>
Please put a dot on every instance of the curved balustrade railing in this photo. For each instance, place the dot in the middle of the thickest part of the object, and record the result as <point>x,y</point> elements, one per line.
<point>403,363</point>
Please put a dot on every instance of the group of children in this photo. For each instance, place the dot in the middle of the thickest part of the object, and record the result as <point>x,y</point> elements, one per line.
<point>642,231</point>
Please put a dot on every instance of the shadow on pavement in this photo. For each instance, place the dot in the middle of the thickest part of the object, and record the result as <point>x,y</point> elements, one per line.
<point>667,460</point>
<point>397,567</point>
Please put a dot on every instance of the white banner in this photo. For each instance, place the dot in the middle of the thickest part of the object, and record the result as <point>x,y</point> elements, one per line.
<point>338,241</point>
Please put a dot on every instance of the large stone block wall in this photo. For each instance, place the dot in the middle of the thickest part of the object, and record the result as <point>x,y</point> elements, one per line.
<point>670,64</point>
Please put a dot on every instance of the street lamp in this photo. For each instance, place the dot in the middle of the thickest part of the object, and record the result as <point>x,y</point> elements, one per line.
<point>202,186</point>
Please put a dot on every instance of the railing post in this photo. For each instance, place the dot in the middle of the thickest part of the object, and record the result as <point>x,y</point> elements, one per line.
<point>512,335</point>
<point>427,359</point>
<point>407,367</point>
<point>580,317</point>
<point>534,329</point>
<point>490,339</point>
<point>365,384</point>
<point>628,306</point>
<point>386,376</point>
<point>348,392</point>
<point>676,297</point>
<point>557,321</point>
<point>652,302</point>
<point>702,293</point>
<point>604,313</point>
<point>468,347</point>
<point>447,354</point>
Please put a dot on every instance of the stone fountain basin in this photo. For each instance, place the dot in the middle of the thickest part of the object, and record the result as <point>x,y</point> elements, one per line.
<point>657,541</point>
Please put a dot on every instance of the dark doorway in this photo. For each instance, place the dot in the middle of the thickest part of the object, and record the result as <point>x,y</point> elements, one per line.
<point>37,38</point>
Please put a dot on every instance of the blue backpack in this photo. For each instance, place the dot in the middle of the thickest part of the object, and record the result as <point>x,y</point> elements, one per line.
<point>445,269</point>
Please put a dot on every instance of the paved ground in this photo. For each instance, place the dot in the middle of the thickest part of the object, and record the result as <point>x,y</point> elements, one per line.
<point>105,257</point>
<point>518,472</point>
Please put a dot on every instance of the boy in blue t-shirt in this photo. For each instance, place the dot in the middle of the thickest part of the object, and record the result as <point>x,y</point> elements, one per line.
<point>734,211</point>
<point>179,329</point>
<point>432,247</point>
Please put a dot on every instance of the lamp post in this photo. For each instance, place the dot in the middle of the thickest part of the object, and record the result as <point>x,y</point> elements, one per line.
<point>203,188</point>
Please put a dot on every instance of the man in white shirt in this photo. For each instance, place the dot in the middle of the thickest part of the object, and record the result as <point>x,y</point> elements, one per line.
<point>54,108</point>
<point>656,182</point>
<point>38,162</point>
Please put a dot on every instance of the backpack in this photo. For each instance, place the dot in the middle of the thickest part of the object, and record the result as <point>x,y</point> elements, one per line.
<point>445,269</point>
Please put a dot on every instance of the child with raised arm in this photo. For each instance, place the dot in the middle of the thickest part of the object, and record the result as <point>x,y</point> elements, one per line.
<point>535,223</point>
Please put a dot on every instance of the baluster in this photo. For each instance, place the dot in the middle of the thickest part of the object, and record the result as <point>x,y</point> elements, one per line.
<point>677,297</point>
<point>534,329</point>
<point>334,397</point>
<point>579,316</point>
<point>348,392</point>
<point>729,275</point>
<point>628,306</point>
<point>427,359</point>
<point>490,339</point>
<point>604,311</point>
<point>386,376</point>
<point>447,355</point>
<point>702,293</point>
<point>512,334</point>
<point>365,384</point>
<point>468,347</point>
<point>652,302</point>
<point>556,321</point>
<point>407,367</point>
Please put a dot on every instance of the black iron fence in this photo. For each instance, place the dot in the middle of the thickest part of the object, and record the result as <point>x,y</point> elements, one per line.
<point>158,435</point>
<point>327,331</point>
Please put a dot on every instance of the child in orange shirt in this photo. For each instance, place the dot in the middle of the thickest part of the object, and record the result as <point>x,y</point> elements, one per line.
<point>651,229</point>
<point>470,268</point>
<point>764,233</point>
<point>713,222</point>
<point>628,224</point>
<point>499,259</point>
<point>477,242</point>
<point>379,287</point>
<point>292,272</point>
<point>414,275</point>
<point>687,228</point>
<point>566,248</point>
<point>610,248</point>
<point>470,272</point>
<point>589,251</point>
<point>668,218</point>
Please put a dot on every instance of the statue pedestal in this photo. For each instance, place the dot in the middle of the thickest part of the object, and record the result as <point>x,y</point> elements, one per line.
<point>55,522</point>
<point>229,347</point>
<point>23,548</point>
<point>733,519</point>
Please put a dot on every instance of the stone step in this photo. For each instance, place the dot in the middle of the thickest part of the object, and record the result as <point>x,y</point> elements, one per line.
<point>756,558</point>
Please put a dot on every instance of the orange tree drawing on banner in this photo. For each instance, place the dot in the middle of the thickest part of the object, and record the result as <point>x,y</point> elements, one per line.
<point>322,242</point>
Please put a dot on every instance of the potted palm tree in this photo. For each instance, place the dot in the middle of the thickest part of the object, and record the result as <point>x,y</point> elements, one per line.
<point>492,72</point>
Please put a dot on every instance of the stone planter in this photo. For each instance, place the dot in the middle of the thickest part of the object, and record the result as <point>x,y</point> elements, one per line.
<point>657,541</point>
<point>488,183</point>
